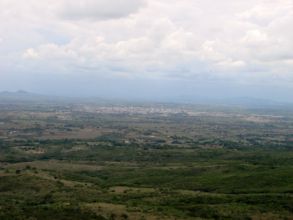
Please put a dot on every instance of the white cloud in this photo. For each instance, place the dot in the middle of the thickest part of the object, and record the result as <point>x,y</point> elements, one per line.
<point>99,9</point>
<point>30,54</point>
<point>241,40</point>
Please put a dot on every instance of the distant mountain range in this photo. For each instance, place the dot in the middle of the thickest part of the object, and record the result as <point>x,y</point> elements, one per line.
<point>25,96</point>
<point>20,94</point>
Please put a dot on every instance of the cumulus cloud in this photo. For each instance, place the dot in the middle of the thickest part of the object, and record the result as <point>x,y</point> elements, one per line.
<point>99,9</point>
<point>234,40</point>
<point>30,54</point>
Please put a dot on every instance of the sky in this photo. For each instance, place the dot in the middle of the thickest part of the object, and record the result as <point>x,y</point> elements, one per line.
<point>148,49</point>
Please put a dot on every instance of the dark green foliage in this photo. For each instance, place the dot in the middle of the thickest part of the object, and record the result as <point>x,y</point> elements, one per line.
<point>47,213</point>
<point>224,166</point>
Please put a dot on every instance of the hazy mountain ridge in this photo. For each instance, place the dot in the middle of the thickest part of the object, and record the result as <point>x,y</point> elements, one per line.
<point>22,95</point>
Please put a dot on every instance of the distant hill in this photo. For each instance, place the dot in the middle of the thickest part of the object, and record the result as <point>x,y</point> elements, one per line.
<point>25,96</point>
<point>19,93</point>
<point>252,102</point>
<point>14,94</point>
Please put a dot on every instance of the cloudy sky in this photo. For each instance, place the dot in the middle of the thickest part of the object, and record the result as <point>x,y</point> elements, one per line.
<point>165,49</point>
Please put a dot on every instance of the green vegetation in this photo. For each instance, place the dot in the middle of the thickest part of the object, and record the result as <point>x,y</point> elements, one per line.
<point>99,162</point>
